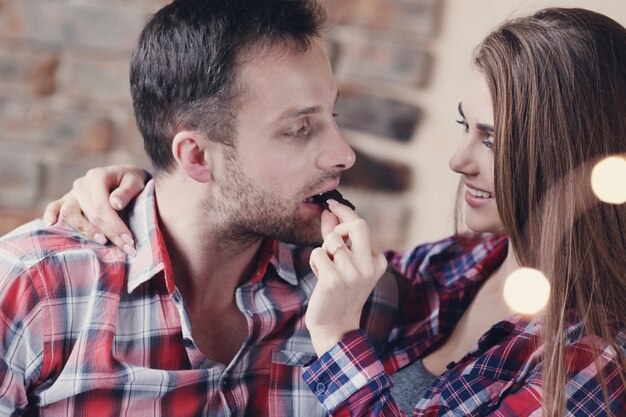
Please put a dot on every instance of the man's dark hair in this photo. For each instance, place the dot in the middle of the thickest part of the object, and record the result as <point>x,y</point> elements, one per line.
<point>184,68</point>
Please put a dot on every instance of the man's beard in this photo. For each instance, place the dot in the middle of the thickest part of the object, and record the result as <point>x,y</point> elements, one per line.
<point>246,212</point>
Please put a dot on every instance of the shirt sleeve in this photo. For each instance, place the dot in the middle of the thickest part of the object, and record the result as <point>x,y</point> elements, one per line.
<point>350,380</point>
<point>21,330</point>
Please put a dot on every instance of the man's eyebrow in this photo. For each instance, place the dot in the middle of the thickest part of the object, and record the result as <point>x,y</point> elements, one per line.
<point>294,114</point>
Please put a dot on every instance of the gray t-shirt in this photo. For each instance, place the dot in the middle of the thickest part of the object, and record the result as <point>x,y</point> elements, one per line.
<point>410,384</point>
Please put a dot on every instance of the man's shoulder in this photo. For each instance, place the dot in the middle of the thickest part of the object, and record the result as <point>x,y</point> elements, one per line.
<point>33,243</point>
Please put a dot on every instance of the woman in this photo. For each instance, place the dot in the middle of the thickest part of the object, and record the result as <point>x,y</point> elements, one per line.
<point>548,100</point>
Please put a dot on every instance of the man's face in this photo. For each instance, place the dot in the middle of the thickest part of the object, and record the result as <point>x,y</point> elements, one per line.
<point>288,148</point>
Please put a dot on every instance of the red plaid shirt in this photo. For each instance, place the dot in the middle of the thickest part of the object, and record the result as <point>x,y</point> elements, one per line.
<point>502,376</point>
<point>87,330</point>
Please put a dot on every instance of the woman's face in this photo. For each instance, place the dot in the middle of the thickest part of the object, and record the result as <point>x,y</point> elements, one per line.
<point>473,158</point>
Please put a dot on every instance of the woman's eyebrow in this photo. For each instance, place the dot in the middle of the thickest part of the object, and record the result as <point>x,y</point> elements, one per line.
<point>480,126</point>
<point>484,127</point>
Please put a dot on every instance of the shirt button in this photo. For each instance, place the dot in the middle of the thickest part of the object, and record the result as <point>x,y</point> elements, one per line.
<point>484,410</point>
<point>320,388</point>
<point>516,387</point>
<point>451,365</point>
<point>187,342</point>
<point>225,383</point>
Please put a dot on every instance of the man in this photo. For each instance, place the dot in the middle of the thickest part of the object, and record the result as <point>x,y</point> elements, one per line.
<point>205,315</point>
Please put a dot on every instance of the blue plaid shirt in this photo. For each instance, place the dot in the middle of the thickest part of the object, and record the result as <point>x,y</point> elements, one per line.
<point>502,376</point>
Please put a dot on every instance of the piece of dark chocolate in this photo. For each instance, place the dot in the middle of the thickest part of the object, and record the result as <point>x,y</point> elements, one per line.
<point>334,195</point>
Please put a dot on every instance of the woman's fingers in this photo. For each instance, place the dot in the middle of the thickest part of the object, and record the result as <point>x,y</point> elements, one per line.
<point>344,213</point>
<point>72,215</point>
<point>328,222</point>
<point>334,308</point>
<point>348,266</point>
<point>51,213</point>
<point>333,241</point>
<point>130,185</point>
<point>354,231</point>
<point>92,196</point>
<point>91,205</point>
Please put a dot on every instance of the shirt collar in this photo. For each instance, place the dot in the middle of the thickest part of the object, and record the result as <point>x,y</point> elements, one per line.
<point>288,260</point>
<point>465,261</point>
<point>151,257</point>
<point>291,261</point>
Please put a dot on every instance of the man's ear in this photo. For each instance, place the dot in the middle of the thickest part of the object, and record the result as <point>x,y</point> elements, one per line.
<point>191,151</point>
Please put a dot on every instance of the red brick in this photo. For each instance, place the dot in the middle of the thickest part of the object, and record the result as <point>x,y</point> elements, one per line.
<point>417,17</point>
<point>377,116</point>
<point>12,218</point>
<point>98,137</point>
<point>20,179</point>
<point>58,23</point>
<point>369,58</point>
<point>387,214</point>
<point>26,71</point>
<point>377,174</point>
<point>44,75</point>
<point>46,123</point>
<point>95,78</point>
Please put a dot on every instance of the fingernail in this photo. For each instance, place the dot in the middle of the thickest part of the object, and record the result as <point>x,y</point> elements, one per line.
<point>49,220</point>
<point>127,239</point>
<point>332,203</point>
<point>117,203</point>
<point>129,250</point>
<point>100,238</point>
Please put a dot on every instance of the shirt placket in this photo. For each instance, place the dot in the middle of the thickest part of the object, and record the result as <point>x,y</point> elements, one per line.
<point>220,380</point>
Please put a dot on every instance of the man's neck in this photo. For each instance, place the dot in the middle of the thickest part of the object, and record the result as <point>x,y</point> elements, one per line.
<point>207,265</point>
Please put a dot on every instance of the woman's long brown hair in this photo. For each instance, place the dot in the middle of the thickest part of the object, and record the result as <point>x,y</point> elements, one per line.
<point>558,83</point>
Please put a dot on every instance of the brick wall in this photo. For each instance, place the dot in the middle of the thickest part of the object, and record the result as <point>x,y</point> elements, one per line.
<point>65,105</point>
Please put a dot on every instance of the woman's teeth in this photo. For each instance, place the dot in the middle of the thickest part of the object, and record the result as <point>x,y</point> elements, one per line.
<point>479,194</point>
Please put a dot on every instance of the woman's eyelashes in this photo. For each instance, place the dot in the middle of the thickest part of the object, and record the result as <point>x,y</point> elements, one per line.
<point>463,123</point>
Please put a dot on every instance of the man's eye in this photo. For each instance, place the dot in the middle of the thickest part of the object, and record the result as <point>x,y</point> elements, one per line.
<point>300,132</point>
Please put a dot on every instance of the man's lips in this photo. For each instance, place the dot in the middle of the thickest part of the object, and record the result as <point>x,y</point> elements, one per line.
<point>328,187</point>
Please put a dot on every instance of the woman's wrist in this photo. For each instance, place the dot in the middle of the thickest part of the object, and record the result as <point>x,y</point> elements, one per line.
<point>324,339</point>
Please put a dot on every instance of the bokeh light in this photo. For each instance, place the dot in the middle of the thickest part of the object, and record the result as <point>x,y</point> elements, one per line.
<point>608,180</point>
<point>526,291</point>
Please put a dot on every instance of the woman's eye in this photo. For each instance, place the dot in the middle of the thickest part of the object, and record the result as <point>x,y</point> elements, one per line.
<point>488,143</point>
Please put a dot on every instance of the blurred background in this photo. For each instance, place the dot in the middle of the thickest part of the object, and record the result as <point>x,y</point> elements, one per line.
<point>401,66</point>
